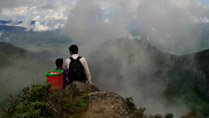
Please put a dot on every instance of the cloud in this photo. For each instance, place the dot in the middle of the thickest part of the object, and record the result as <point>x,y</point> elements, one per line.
<point>172,22</point>
<point>40,27</point>
<point>12,3</point>
<point>121,13</point>
<point>14,11</point>
<point>36,18</point>
<point>201,20</point>
<point>49,13</point>
<point>48,6</point>
<point>20,10</point>
<point>169,24</point>
<point>86,24</point>
<point>107,20</point>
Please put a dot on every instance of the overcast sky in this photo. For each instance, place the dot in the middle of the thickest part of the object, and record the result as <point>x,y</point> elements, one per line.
<point>52,14</point>
<point>169,22</point>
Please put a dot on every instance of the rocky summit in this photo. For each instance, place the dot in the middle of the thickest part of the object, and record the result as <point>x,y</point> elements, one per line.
<point>101,104</point>
<point>106,105</point>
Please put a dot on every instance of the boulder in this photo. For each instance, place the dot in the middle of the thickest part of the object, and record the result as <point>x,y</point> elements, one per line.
<point>106,105</point>
<point>78,88</point>
<point>100,104</point>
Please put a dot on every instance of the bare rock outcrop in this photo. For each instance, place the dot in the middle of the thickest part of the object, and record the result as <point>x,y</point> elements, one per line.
<point>100,104</point>
<point>106,105</point>
<point>78,88</point>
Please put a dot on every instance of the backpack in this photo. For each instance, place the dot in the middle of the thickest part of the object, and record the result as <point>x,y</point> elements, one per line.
<point>76,70</point>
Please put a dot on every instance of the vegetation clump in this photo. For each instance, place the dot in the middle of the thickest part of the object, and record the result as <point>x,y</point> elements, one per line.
<point>192,114</point>
<point>38,101</point>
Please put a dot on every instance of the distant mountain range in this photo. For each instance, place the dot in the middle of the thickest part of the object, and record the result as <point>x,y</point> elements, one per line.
<point>7,22</point>
<point>16,26</point>
<point>13,26</point>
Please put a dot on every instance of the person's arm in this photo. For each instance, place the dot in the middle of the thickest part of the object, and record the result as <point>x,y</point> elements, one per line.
<point>86,70</point>
<point>66,64</point>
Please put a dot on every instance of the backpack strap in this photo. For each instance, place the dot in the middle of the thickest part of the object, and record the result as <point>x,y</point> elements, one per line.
<point>71,58</point>
<point>79,57</point>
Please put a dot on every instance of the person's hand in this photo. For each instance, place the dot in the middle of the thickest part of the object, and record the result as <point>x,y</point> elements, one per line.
<point>92,84</point>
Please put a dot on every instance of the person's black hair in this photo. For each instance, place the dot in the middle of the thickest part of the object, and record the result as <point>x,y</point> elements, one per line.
<point>59,62</point>
<point>73,49</point>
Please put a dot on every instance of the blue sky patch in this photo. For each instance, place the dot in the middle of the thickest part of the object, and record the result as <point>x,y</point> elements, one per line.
<point>205,1</point>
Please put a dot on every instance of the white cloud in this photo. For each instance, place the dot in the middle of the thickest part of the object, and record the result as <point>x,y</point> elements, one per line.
<point>21,10</point>
<point>59,25</point>
<point>32,8</point>
<point>173,17</point>
<point>201,20</point>
<point>35,12</point>
<point>36,18</point>
<point>15,11</point>
<point>40,27</point>
<point>107,20</point>
<point>56,15</point>
<point>50,14</point>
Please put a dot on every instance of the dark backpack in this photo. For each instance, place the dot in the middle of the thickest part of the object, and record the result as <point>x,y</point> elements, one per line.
<point>76,70</point>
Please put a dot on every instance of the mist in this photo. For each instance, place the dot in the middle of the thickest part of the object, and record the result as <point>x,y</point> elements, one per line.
<point>11,3</point>
<point>131,68</point>
<point>20,68</point>
<point>170,24</point>
<point>128,68</point>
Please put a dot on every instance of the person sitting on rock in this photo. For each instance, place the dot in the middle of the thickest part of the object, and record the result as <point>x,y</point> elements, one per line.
<point>78,67</point>
<point>59,64</point>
